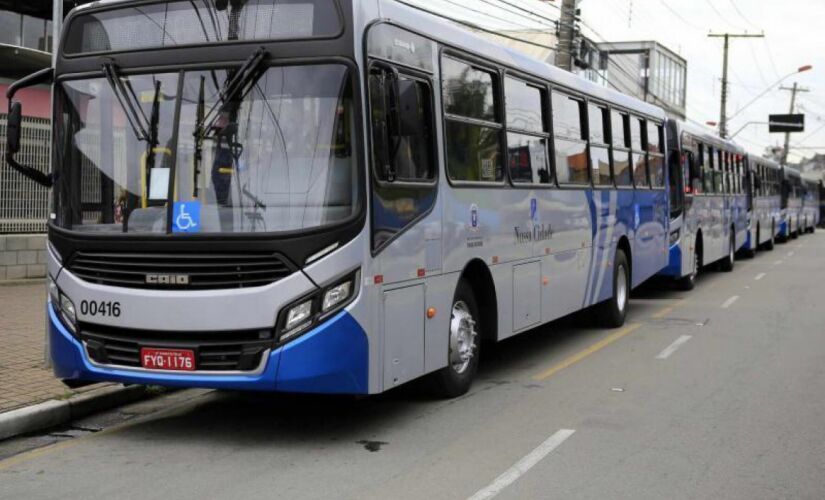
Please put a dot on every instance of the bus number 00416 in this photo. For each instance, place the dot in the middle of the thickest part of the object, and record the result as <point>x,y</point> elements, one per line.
<point>100,308</point>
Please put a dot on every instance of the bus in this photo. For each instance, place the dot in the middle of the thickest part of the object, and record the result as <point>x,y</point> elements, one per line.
<point>764,186</point>
<point>810,205</point>
<point>791,207</point>
<point>709,218</point>
<point>329,196</point>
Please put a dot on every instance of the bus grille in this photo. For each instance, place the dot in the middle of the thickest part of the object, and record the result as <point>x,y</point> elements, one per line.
<point>214,351</point>
<point>206,271</point>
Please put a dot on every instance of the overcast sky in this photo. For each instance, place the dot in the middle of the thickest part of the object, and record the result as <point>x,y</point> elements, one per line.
<point>793,37</point>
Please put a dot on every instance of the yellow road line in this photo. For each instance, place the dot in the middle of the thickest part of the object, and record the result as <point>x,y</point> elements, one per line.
<point>572,360</point>
<point>664,312</point>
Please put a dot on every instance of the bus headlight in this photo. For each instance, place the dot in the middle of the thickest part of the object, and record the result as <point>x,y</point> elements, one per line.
<point>63,305</point>
<point>298,317</point>
<point>298,314</point>
<point>54,293</point>
<point>674,237</point>
<point>335,295</point>
<point>68,310</point>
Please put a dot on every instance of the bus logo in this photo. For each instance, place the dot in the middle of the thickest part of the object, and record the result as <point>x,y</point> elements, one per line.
<point>167,279</point>
<point>474,217</point>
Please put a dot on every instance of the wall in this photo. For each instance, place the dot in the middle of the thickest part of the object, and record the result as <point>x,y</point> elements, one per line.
<point>22,256</point>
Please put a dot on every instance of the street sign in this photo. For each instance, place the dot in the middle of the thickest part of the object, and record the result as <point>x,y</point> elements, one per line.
<point>786,123</point>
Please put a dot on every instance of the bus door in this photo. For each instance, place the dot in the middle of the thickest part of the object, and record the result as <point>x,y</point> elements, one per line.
<point>405,226</point>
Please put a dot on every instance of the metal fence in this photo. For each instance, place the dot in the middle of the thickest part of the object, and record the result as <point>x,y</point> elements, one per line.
<point>24,204</point>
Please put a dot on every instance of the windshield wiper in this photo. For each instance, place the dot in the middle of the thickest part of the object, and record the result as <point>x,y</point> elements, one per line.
<point>247,74</point>
<point>198,135</point>
<point>152,137</point>
<point>134,115</point>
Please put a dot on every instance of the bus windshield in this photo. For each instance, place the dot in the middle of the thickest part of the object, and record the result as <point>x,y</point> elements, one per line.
<point>189,159</point>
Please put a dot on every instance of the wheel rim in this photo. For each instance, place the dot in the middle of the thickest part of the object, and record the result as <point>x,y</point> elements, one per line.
<point>462,337</point>
<point>621,288</point>
<point>730,252</point>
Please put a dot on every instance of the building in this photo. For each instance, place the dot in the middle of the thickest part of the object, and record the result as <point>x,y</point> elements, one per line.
<point>646,70</point>
<point>649,71</point>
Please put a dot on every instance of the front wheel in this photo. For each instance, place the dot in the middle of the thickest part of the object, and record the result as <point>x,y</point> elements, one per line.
<point>612,312</point>
<point>456,378</point>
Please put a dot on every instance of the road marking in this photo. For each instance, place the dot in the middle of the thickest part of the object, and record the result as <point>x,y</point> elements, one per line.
<point>730,302</point>
<point>522,466</point>
<point>662,313</point>
<point>572,360</point>
<point>759,276</point>
<point>777,262</point>
<point>672,347</point>
<point>790,254</point>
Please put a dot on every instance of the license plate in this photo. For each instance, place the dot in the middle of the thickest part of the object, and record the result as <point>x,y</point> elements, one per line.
<point>167,359</point>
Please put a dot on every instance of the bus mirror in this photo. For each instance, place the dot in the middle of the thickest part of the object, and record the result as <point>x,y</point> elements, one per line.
<point>15,122</point>
<point>409,109</point>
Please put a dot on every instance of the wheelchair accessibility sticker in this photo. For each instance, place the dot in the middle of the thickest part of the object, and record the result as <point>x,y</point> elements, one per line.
<point>186,217</point>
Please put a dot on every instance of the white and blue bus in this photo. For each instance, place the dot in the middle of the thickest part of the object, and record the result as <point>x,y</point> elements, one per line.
<point>709,221</point>
<point>764,188</point>
<point>810,204</point>
<point>331,196</point>
<point>791,211</point>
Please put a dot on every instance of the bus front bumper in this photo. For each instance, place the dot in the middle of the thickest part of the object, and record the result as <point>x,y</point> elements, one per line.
<point>330,359</point>
<point>674,265</point>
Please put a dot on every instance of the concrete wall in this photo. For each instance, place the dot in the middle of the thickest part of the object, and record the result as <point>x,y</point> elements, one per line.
<point>22,256</point>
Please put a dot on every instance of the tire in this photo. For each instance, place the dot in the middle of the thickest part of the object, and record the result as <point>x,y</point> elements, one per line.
<point>688,283</point>
<point>726,264</point>
<point>456,378</point>
<point>612,312</point>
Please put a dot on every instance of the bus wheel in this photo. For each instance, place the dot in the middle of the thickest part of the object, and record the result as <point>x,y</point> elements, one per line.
<point>688,282</point>
<point>726,265</point>
<point>612,312</point>
<point>456,378</point>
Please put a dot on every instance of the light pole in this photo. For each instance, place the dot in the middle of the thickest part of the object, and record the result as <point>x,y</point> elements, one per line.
<point>801,69</point>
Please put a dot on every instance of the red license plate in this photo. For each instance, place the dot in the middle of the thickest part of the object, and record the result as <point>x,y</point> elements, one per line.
<point>167,359</point>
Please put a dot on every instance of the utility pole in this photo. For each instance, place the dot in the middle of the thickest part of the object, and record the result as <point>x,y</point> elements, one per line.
<point>567,32</point>
<point>723,120</point>
<point>793,90</point>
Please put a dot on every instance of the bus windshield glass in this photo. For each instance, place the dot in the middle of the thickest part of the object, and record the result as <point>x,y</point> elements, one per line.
<point>173,24</point>
<point>276,157</point>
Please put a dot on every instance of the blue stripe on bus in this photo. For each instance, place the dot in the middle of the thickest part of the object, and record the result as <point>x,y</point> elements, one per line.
<point>330,359</point>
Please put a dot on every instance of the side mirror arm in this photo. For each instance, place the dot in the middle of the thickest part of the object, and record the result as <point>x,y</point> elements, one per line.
<point>45,75</point>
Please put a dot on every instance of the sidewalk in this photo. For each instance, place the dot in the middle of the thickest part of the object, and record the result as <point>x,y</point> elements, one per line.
<point>23,379</point>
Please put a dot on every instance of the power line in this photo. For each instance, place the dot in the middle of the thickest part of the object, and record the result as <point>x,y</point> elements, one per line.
<point>679,16</point>
<point>487,14</point>
<point>724,20</point>
<point>736,8</point>
<point>475,26</point>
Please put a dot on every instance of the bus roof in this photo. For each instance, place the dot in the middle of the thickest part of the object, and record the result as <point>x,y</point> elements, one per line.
<point>435,27</point>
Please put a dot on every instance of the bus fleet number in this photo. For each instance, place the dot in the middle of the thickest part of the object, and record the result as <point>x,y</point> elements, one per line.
<point>100,308</point>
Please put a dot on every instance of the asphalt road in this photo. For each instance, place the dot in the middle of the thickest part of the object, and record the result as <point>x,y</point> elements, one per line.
<point>717,393</point>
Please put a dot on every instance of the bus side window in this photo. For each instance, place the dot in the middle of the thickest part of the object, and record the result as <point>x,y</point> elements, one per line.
<point>655,158</point>
<point>402,137</point>
<point>527,138</point>
<point>569,140</point>
<point>620,142</point>
<point>403,152</point>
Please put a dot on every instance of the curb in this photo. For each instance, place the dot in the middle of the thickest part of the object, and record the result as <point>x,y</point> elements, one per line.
<point>57,412</point>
